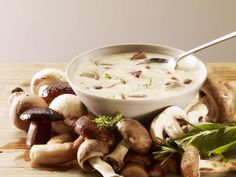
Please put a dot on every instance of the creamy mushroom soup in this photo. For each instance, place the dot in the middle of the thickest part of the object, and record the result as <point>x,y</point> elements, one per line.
<point>123,76</point>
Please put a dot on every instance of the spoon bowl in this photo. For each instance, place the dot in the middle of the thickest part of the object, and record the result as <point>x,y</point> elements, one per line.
<point>172,62</point>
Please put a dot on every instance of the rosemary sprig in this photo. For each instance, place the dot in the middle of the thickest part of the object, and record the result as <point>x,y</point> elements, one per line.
<point>103,121</point>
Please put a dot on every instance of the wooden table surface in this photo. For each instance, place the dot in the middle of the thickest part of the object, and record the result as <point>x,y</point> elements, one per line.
<point>14,159</point>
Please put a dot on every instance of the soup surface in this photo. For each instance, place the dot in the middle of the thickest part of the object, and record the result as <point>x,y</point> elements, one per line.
<point>124,76</point>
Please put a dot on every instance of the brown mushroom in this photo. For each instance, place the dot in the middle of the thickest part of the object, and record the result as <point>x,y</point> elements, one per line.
<point>135,136</point>
<point>217,104</point>
<point>51,91</point>
<point>71,108</point>
<point>87,128</point>
<point>192,165</point>
<point>20,102</point>
<point>40,124</point>
<point>136,165</point>
<point>89,157</point>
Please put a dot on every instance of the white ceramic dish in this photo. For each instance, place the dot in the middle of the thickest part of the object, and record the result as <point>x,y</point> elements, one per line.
<point>131,108</point>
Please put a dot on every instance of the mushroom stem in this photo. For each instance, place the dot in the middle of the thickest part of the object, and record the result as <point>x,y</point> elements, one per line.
<point>104,168</point>
<point>116,157</point>
<point>209,166</point>
<point>38,133</point>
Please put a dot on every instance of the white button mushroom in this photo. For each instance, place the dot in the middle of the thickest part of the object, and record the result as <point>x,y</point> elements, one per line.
<point>44,77</point>
<point>71,108</point>
<point>55,153</point>
<point>20,102</point>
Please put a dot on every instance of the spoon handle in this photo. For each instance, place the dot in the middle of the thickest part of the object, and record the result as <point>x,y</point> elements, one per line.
<point>208,44</point>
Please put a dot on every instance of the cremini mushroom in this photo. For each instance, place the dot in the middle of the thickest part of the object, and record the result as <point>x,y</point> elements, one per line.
<point>135,136</point>
<point>136,165</point>
<point>40,124</point>
<point>71,108</point>
<point>55,153</point>
<point>90,155</point>
<point>51,91</point>
<point>167,123</point>
<point>217,103</point>
<point>87,128</point>
<point>193,166</point>
<point>20,102</point>
<point>45,77</point>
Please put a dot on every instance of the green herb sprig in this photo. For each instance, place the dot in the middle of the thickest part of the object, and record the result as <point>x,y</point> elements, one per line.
<point>211,139</point>
<point>103,121</point>
<point>149,84</point>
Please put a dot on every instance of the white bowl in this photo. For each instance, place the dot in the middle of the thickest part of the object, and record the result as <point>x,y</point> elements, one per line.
<point>131,108</point>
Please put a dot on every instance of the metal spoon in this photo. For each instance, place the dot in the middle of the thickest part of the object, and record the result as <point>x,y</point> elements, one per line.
<point>173,61</point>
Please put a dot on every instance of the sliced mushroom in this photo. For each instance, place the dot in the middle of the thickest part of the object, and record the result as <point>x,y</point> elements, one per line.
<point>139,55</point>
<point>51,91</point>
<point>20,102</point>
<point>220,100</point>
<point>45,77</point>
<point>89,157</point>
<point>40,127</point>
<point>71,108</point>
<point>136,73</point>
<point>135,136</point>
<point>90,75</point>
<point>167,123</point>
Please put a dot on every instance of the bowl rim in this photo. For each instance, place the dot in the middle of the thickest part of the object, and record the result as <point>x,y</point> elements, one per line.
<point>184,92</point>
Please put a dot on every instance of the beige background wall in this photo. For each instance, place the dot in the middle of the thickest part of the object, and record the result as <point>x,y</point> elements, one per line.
<point>57,30</point>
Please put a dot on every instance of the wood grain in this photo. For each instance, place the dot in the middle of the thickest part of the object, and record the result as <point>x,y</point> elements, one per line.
<point>14,159</point>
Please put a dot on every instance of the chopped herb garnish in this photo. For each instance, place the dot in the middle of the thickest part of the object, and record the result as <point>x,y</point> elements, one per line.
<point>108,121</point>
<point>107,76</point>
<point>149,84</point>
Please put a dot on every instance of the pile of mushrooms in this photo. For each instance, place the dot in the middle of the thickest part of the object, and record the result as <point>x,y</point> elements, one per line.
<point>60,129</point>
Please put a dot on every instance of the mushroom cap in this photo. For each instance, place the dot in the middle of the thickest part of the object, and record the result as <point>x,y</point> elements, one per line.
<point>71,108</point>
<point>190,161</point>
<point>88,129</point>
<point>134,169</point>
<point>221,100</point>
<point>88,149</point>
<point>40,114</point>
<point>51,91</point>
<point>20,104</point>
<point>44,77</point>
<point>135,134</point>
